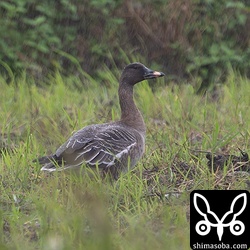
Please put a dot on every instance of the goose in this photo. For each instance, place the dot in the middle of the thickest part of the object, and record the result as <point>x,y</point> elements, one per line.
<point>114,147</point>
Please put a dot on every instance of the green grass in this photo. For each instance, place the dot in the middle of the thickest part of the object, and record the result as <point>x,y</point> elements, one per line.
<point>70,211</point>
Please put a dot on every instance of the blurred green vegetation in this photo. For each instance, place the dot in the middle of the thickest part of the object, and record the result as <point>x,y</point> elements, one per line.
<point>189,39</point>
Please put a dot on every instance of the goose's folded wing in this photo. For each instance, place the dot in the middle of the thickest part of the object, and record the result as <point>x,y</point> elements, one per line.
<point>104,149</point>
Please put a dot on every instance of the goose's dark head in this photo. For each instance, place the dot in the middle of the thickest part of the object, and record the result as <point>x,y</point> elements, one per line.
<point>137,72</point>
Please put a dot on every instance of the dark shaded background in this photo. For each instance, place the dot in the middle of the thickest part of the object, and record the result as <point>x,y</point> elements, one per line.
<point>185,38</point>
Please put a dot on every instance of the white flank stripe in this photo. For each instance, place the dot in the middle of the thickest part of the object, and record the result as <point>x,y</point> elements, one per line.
<point>119,155</point>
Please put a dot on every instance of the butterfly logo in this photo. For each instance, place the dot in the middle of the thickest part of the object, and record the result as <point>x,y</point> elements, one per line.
<point>203,227</point>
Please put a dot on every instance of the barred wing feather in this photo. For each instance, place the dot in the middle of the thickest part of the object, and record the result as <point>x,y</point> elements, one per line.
<point>105,148</point>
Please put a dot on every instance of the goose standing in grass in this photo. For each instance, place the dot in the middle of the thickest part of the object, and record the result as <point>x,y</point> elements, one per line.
<point>115,146</point>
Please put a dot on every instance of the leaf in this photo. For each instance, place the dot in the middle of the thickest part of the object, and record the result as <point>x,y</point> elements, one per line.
<point>36,21</point>
<point>7,6</point>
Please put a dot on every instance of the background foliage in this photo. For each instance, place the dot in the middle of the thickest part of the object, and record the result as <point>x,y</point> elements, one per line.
<point>188,38</point>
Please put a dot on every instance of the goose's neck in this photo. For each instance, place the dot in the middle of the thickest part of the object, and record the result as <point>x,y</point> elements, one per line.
<point>130,114</point>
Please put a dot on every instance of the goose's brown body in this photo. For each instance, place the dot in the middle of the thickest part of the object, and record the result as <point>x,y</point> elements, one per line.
<point>115,146</point>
